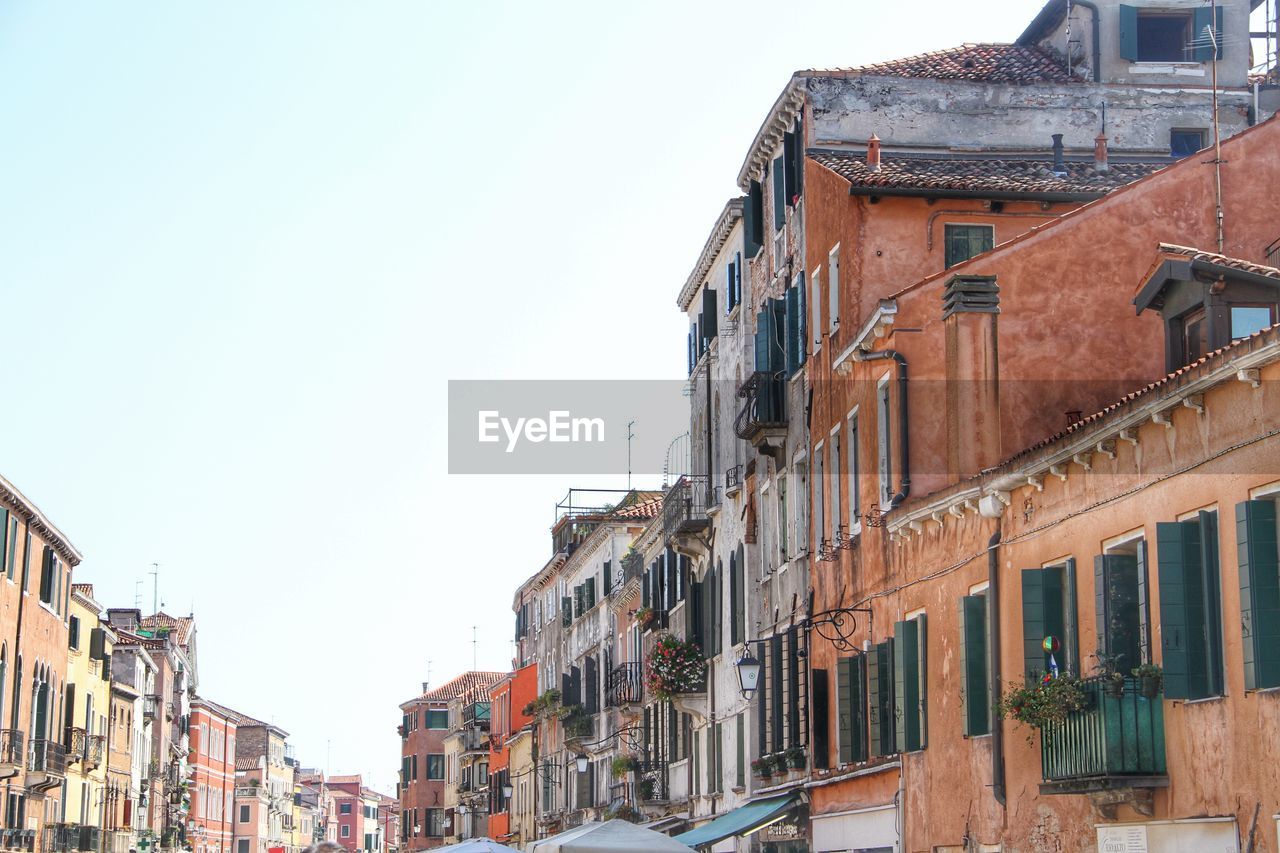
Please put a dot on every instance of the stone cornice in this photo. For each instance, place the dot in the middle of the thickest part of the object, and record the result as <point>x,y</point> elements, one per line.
<point>37,521</point>
<point>720,232</point>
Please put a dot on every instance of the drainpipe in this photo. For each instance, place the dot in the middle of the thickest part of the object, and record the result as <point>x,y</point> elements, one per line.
<point>904,447</point>
<point>1097,38</point>
<point>993,676</point>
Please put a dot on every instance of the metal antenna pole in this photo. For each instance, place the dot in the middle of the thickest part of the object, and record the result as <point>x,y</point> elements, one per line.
<point>1217,134</point>
<point>475,645</point>
<point>155,588</point>
<point>630,435</point>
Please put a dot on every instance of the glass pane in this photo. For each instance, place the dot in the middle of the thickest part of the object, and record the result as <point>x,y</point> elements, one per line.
<point>1245,320</point>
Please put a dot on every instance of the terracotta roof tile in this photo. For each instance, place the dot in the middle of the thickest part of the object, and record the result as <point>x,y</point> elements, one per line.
<point>1005,175</point>
<point>984,63</point>
<point>181,624</point>
<point>1220,260</point>
<point>461,685</point>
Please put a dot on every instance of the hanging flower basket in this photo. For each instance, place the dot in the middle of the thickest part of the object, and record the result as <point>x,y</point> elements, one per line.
<point>674,667</point>
<point>1044,704</point>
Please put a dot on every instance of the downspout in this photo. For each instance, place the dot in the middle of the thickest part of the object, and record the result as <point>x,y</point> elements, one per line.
<point>1097,38</point>
<point>993,676</point>
<point>904,447</point>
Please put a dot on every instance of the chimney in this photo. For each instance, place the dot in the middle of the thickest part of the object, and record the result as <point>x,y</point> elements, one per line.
<point>873,153</point>
<point>1059,165</point>
<point>1100,153</point>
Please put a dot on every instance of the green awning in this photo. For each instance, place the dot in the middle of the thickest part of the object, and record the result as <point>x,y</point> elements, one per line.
<point>743,820</point>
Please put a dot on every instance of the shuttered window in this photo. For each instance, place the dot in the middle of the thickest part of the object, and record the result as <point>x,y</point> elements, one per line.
<point>710,314</point>
<point>815,305</point>
<point>1120,589</point>
<point>883,444</point>
<point>737,615</point>
<point>833,287</point>
<point>1259,592</point>
<point>975,692</point>
<point>740,740</point>
<point>820,737</point>
<point>795,347</point>
<point>1049,610</point>
<point>1190,607</point>
<point>910,693</point>
<point>851,703</point>
<point>791,157</point>
<point>779,195</point>
<point>753,220</point>
<point>880,719</point>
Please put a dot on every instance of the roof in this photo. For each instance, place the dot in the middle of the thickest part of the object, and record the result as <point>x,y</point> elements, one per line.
<point>243,764</point>
<point>1183,263</point>
<point>179,625</point>
<point>232,717</point>
<point>1221,260</point>
<point>1028,176</point>
<point>646,505</point>
<point>1016,64</point>
<point>728,217</point>
<point>242,720</point>
<point>37,521</point>
<point>462,685</point>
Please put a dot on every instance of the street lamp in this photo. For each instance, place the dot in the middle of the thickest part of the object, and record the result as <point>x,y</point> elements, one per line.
<point>582,764</point>
<point>748,674</point>
<point>507,791</point>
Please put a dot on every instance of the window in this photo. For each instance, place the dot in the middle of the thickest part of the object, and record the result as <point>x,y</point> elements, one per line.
<point>881,724</point>
<point>1049,610</point>
<point>964,241</point>
<point>779,197</point>
<point>244,814</point>
<point>833,482</point>
<point>344,808</point>
<point>345,831</point>
<point>1248,319</point>
<point>753,220</point>
<point>1193,337</point>
<point>1184,143</point>
<point>242,845</point>
<point>795,330</point>
<point>435,766</point>
<point>49,577</point>
<point>851,452</point>
<point>6,555</point>
<point>1120,584</point>
<point>784,521</point>
<point>851,709</point>
<point>883,443</point>
<point>819,493</point>
<point>833,286</point>
<point>437,719</point>
<point>975,688</point>
<point>816,304</point>
<point>801,469</point>
<point>1190,606</point>
<point>910,691</point>
<point>73,633</point>
<point>435,823</point>
<point>1259,592</point>
<point>1169,36</point>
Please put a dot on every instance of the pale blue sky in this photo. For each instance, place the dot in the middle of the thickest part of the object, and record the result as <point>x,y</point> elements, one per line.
<point>244,245</point>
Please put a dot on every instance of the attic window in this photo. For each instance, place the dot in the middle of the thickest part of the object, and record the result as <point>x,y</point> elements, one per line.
<point>1169,35</point>
<point>1164,37</point>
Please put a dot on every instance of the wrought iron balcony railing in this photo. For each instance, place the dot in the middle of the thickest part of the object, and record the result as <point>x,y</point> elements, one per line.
<point>1115,741</point>
<point>150,706</point>
<point>651,782</point>
<point>632,567</point>
<point>11,741</point>
<point>764,407</point>
<point>95,746</point>
<point>624,685</point>
<point>48,756</point>
<point>684,509</point>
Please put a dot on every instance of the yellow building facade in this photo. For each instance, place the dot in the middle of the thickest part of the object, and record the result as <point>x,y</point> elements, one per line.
<point>87,706</point>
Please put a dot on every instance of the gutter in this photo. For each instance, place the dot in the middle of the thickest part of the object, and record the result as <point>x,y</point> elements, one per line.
<point>904,435</point>
<point>1000,195</point>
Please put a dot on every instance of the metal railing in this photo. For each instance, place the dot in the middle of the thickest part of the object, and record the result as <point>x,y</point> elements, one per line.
<point>94,748</point>
<point>624,685</point>
<point>1112,736</point>
<point>66,837</point>
<point>48,756</point>
<point>11,741</point>
<point>765,404</point>
<point>685,506</point>
<point>632,566</point>
<point>19,839</point>
<point>733,478</point>
<point>150,706</point>
<point>651,782</point>
<point>75,744</point>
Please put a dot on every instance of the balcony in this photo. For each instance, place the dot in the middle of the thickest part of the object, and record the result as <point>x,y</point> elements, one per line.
<point>47,766</point>
<point>624,686</point>
<point>477,714</point>
<point>150,706</point>
<point>651,782</point>
<point>474,740</point>
<point>1115,743</point>
<point>11,741</point>
<point>66,837</point>
<point>632,568</point>
<point>763,417</point>
<point>19,839</point>
<point>684,514</point>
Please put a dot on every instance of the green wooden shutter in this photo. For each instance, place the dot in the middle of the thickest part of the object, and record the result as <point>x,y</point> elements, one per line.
<point>804,318</point>
<point>740,738</point>
<point>608,576</point>
<point>1202,19</point>
<point>1212,601</point>
<point>1259,593</point>
<point>719,744</point>
<point>764,334</point>
<point>790,158</point>
<point>858,708</point>
<point>710,313</point>
<point>1033,627</point>
<point>734,625</point>
<point>1144,604</point>
<point>922,674</point>
<point>844,708</point>
<point>1181,613</point>
<point>907,698</point>
<point>69,702</point>
<point>779,196</point>
<point>753,220</point>
<point>777,689</point>
<point>820,736</point>
<point>1070,660</point>
<point>974,694</point>
<point>693,624</point>
<point>880,692</point>
<point>1128,33</point>
<point>795,343</point>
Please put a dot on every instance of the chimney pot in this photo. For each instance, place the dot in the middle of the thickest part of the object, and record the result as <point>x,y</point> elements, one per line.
<point>1100,153</point>
<point>1059,163</point>
<point>873,153</point>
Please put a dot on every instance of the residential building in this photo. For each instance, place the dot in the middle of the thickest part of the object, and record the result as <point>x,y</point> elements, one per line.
<point>86,705</point>
<point>36,563</point>
<point>260,753</point>
<point>509,706</point>
<point>211,823</point>
<point>424,726</point>
<point>134,707</point>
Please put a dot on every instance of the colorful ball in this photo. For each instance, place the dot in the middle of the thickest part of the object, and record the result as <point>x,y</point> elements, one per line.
<point>1050,644</point>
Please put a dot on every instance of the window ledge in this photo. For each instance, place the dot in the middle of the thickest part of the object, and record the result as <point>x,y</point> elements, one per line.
<point>1184,69</point>
<point>1207,699</point>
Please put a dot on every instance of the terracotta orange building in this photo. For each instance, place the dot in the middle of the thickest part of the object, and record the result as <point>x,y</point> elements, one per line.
<point>508,699</point>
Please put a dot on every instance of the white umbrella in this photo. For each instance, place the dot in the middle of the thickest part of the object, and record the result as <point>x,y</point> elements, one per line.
<point>479,845</point>
<point>612,836</point>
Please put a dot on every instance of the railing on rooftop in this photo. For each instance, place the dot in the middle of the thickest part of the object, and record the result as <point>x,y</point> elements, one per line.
<point>1112,737</point>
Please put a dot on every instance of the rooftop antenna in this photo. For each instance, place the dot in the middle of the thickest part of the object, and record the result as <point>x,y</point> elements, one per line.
<point>1068,50</point>
<point>155,588</point>
<point>137,595</point>
<point>630,435</point>
<point>475,644</point>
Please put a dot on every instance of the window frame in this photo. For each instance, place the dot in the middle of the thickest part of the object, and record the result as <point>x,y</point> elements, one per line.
<point>853,465</point>
<point>970,228</point>
<point>833,287</point>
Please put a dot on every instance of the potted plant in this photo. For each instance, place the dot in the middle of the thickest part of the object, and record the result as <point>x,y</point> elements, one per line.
<point>1150,679</point>
<point>1044,704</point>
<point>644,616</point>
<point>624,764</point>
<point>674,667</point>
<point>762,768</point>
<point>795,758</point>
<point>1112,679</point>
<point>645,789</point>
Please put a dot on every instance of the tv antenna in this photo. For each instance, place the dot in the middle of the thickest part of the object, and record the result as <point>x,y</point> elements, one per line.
<point>630,435</point>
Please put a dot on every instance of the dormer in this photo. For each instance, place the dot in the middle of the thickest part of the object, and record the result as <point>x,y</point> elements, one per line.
<point>1207,300</point>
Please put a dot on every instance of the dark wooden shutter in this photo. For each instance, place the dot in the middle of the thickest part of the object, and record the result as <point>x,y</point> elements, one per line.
<point>575,680</point>
<point>880,691</point>
<point>69,715</point>
<point>764,332</point>
<point>1128,33</point>
<point>804,318</point>
<point>795,344</point>
<point>672,566</point>
<point>753,220</point>
<point>1212,573</point>
<point>1259,593</point>
<point>691,356</point>
<point>777,690</point>
<point>737,278</point>
<point>1033,627</point>
<point>974,693</point>
<point>908,697</point>
<point>710,313</point>
<point>695,615</point>
<point>1201,20</point>
<point>820,726</point>
<point>794,705</point>
<point>1181,614</point>
<point>734,628</point>
<point>591,593</point>
<point>779,197</point>
<point>789,166</point>
<point>566,688</point>
<point>1070,659</point>
<point>844,709</point>
<point>592,679</point>
<point>740,738</point>
<point>729,293</point>
<point>607,577</point>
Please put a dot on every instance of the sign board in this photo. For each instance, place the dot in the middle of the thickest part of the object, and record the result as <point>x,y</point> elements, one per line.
<point>785,830</point>
<point>1122,839</point>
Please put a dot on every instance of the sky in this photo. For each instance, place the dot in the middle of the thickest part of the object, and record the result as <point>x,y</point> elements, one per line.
<point>244,247</point>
